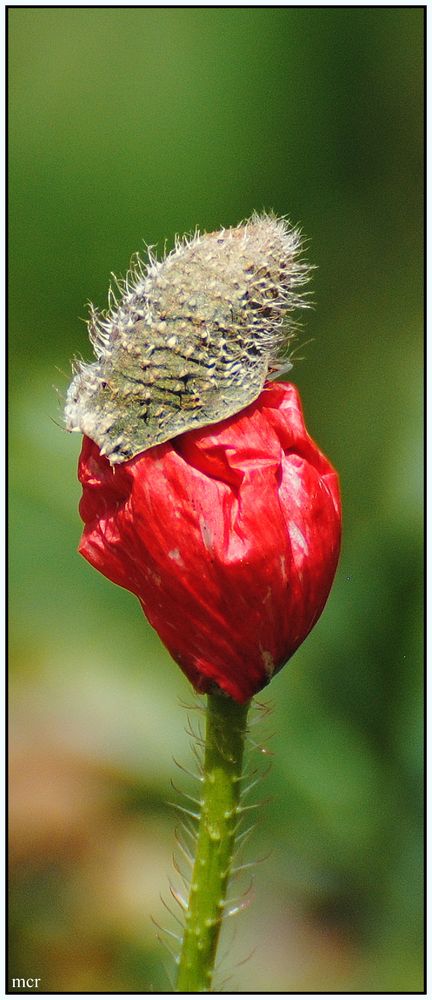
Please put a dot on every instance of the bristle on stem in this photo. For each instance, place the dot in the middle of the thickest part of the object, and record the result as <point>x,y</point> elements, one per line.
<point>222,769</point>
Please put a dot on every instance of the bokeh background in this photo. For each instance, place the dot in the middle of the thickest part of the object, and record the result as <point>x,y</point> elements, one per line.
<point>135,124</point>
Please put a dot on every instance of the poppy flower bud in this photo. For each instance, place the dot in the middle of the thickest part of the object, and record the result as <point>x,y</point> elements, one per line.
<point>229,535</point>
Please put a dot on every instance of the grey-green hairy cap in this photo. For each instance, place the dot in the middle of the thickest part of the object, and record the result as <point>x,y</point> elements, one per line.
<point>192,338</point>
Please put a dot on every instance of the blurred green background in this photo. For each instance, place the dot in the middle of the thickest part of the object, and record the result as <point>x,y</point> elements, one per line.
<point>136,124</point>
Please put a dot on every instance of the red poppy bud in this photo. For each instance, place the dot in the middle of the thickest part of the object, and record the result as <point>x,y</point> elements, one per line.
<point>228,535</point>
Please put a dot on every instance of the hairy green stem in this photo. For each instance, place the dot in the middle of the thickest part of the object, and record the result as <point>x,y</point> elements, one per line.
<point>224,745</point>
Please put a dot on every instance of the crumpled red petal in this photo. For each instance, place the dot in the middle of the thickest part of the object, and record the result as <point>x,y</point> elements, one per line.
<point>228,535</point>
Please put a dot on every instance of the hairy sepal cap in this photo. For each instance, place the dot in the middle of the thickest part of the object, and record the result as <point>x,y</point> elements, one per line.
<point>229,536</point>
<point>192,339</point>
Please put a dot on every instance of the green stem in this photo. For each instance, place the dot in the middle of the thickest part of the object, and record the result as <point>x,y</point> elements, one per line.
<point>225,735</point>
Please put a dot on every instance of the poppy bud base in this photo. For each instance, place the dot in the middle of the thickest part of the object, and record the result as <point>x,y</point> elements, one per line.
<point>228,535</point>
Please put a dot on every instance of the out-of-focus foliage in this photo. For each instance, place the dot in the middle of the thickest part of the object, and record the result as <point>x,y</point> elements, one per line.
<point>134,124</point>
